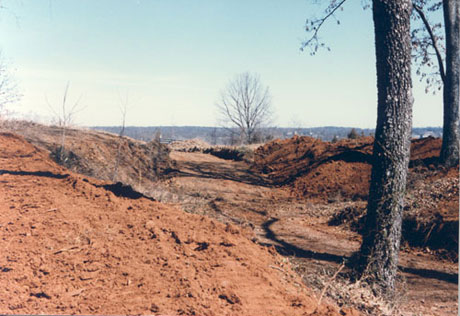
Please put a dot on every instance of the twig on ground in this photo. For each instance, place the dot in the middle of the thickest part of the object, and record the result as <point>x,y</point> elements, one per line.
<point>328,284</point>
<point>277,268</point>
<point>65,249</point>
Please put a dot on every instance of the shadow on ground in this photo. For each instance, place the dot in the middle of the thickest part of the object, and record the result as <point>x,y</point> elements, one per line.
<point>34,173</point>
<point>287,249</point>
<point>209,170</point>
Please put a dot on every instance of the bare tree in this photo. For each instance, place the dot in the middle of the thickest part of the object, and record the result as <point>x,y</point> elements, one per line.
<point>428,44</point>
<point>451,96</point>
<point>124,104</point>
<point>246,104</point>
<point>445,72</point>
<point>64,119</point>
<point>377,259</point>
<point>8,87</point>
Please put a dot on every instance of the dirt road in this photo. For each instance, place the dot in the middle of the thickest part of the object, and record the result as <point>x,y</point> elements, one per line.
<point>229,191</point>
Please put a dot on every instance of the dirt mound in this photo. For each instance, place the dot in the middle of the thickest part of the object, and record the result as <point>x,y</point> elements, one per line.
<point>330,171</point>
<point>317,169</point>
<point>430,218</point>
<point>425,150</point>
<point>431,212</point>
<point>94,153</point>
<point>70,245</point>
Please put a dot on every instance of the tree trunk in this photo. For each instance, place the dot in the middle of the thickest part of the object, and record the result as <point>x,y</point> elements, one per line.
<point>450,139</point>
<point>378,257</point>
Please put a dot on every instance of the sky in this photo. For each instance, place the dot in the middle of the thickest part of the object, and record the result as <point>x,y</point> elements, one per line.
<point>168,61</point>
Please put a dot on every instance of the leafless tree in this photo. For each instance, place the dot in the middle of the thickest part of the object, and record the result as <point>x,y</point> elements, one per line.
<point>8,87</point>
<point>436,54</point>
<point>64,119</point>
<point>451,94</point>
<point>123,107</point>
<point>377,259</point>
<point>246,104</point>
<point>441,42</point>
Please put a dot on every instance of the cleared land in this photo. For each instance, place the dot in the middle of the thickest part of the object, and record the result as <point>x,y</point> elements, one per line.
<point>286,207</point>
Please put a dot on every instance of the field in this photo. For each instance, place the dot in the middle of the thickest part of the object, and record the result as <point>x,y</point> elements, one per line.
<point>264,231</point>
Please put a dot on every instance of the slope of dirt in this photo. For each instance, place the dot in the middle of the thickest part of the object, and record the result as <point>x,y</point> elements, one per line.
<point>316,169</point>
<point>94,153</point>
<point>70,245</point>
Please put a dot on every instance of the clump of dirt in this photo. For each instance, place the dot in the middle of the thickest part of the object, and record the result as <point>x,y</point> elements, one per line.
<point>71,246</point>
<point>94,153</point>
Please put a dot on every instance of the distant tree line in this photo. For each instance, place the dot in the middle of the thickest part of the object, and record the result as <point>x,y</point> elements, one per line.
<point>222,136</point>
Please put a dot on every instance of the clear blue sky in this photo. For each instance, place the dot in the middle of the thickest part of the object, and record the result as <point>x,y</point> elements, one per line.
<point>172,57</point>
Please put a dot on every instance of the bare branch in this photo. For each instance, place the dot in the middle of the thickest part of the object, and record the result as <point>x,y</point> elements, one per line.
<point>428,50</point>
<point>428,28</point>
<point>315,26</point>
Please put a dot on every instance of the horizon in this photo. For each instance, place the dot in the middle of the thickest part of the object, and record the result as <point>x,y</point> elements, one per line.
<point>268,127</point>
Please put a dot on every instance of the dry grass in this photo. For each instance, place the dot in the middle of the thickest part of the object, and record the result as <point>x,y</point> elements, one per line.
<point>94,153</point>
<point>333,283</point>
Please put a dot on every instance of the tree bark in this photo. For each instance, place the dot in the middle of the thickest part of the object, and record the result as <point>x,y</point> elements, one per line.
<point>450,140</point>
<point>378,256</point>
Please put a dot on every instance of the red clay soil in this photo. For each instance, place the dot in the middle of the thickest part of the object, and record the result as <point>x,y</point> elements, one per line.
<point>321,170</point>
<point>317,169</point>
<point>70,245</point>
